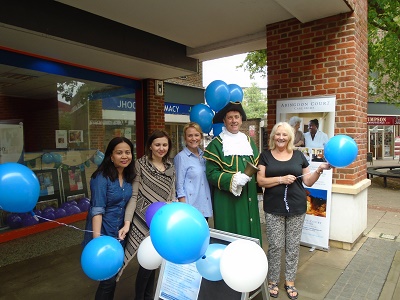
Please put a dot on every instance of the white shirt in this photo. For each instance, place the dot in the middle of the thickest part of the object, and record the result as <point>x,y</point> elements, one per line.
<point>235,143</point>
<point>320,139</point>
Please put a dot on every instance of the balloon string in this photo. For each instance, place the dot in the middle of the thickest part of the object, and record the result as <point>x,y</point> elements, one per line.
<point>70,226</point>
<point>285,198</point>
<point>286,190</point>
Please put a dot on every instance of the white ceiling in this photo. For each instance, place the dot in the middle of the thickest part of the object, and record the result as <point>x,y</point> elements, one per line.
<point>209,29</point>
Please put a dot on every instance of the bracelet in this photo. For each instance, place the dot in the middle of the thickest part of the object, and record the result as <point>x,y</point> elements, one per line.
<point>280,179</point>
<point>319,172</point>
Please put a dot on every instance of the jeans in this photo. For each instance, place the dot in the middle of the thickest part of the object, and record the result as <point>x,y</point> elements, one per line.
<point>106,289</point>
<point>145,284</point>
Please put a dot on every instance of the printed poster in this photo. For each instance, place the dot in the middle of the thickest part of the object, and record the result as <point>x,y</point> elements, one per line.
<point>61,139</point>
<point>180,282</point>
<point>317,221</point>
<point>11,143</point>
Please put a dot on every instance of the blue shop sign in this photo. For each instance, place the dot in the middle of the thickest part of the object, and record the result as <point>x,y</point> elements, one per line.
<point>119,103</point>
<point>128,104</point>
<point>177,109</point>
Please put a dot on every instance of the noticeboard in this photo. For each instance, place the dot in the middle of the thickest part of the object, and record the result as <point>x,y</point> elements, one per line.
<point>183,282</point>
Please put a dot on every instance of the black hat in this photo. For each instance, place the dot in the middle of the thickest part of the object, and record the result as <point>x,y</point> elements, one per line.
<point>231,106</point>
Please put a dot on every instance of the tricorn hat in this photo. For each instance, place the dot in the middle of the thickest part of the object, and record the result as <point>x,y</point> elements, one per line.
<point>231,106</point>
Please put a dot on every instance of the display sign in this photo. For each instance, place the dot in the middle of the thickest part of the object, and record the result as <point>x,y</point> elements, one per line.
<point>383,120</point>
<point>129,104</point>
<point>183,281</point>
<point>315,231</point>
<point>11,142</point>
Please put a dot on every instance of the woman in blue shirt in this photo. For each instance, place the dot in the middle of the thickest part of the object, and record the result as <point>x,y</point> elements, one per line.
<point>111,189</point>
<point>191,182</point>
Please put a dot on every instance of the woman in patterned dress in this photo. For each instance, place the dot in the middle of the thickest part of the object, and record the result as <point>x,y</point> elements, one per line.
<point>154,182</point>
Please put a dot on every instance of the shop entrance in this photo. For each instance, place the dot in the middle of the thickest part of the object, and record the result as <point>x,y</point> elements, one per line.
<point>381,141</point>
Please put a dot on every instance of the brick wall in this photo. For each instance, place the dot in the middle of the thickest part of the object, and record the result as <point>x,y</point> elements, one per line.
<point>155,107</point>
<point>97,131</point>
<point>195,80</point>
<point>324,57</point>
<point>254,123</point>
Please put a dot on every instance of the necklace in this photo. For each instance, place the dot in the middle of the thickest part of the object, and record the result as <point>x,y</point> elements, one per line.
<point>159,166</point>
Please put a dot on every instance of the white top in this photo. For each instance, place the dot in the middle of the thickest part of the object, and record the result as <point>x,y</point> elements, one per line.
<point>235,143</point>
<point>320,139</point>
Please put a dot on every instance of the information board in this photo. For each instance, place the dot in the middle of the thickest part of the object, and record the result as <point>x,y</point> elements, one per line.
<point>183,282</point>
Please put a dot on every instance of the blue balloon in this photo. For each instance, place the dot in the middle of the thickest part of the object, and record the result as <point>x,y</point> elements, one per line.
<point>49,209</point>
<point>57,158</point>
<point>217,95</point>
<point>179,233</point>
<point>84,204</point>
<point>102,258</point>
<point>47,158</point>
<point>340,151</point>
<point>235,93</point>
<point>49,215</point>
<point>202,115</point>
<point>208,265</point>
<point>60,213</point>
<point>14,221</point>
<point>19,188</point>
<point>151,210</point>
<point>29,220</point>
<point>217,128</point>
<point>98,159</point>
<point>72,210</point>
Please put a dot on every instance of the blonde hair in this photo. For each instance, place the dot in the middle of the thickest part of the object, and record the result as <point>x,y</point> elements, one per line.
<point>194,125</point>
<point>289,131</point>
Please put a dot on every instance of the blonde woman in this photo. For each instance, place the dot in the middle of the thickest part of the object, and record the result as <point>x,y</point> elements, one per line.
<point>191,182</point>
<point>282,172</point>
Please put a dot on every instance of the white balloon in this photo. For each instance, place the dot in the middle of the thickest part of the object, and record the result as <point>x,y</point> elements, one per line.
<point>148,256</point>
<point>243,266</point>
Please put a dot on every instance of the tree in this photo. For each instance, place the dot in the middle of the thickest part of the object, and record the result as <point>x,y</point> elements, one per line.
<point>256,63</point>
<point>383,52</point>
<point>254,102</point>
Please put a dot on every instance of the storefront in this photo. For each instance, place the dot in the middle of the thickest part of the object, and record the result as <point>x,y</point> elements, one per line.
<point>383,136</point>
<point>55,119</point>
<point>383,130</point>
<point>178,102</point>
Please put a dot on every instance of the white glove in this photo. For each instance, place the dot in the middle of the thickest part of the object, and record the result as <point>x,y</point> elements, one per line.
<point>241,178</point>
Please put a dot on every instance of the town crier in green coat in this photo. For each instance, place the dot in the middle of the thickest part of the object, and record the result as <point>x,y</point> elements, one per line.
<point>234,194</point>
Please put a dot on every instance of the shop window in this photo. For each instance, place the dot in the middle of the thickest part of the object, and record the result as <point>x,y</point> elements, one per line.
<point>67,117</point>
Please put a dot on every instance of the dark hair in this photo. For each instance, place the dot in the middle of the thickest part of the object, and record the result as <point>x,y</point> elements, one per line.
<point>107,167</point>
<point>315,122</point>
<point>155,135</point>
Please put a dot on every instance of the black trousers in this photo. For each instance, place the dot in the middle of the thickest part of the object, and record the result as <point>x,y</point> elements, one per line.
<point>144,285</point>
<point>106,289</point>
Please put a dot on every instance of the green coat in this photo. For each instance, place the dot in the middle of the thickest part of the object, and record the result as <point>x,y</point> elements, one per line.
<point>235,214</point>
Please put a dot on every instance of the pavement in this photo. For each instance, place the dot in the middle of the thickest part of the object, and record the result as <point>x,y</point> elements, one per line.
<point>47,265</point>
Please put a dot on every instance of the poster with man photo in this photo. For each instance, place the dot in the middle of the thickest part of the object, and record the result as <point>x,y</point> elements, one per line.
<point>313,119</point>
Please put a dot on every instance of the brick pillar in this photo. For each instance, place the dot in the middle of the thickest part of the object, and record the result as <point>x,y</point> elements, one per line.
<point>155,108</point>
<point>324,57</point>
<point>329,57</point>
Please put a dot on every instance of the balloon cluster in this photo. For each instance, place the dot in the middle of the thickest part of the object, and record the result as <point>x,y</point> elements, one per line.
<point>57,160</point>
<point>217,95</point>
<point>179,234</point>
<point>49,158</point>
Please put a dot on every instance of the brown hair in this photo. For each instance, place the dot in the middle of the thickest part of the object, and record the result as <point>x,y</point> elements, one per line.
<point>155,135</point>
